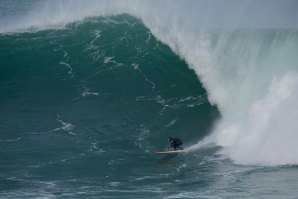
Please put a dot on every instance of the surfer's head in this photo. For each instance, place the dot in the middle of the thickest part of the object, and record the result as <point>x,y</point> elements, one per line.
<point>170,138</point>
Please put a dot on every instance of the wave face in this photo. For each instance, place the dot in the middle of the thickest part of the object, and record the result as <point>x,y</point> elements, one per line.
<point>86,106</point>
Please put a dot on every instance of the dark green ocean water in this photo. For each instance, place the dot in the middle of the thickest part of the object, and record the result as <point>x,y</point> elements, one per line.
<point>83,108</point>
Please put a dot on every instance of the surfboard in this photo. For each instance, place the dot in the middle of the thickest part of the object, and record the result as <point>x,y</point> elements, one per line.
<point>169,152</point>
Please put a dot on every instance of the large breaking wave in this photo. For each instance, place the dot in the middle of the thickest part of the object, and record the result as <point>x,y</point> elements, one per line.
<point>244,52</point>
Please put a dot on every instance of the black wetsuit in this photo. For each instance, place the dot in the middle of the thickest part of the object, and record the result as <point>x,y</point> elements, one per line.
<point>175,143</point>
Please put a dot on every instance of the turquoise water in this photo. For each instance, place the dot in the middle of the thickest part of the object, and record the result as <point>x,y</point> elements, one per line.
<point>84,107</point>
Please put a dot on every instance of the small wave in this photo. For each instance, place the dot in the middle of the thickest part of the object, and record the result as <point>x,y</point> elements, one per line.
<point>12,140</point>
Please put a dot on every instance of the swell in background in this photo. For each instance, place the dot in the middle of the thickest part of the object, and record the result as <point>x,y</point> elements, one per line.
<point>245,53</point>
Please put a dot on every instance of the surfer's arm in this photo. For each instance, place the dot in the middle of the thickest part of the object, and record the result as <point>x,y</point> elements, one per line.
<point>172,145</point>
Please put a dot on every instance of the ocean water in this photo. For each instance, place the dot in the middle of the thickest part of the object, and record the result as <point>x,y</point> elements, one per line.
<point>90,90</point>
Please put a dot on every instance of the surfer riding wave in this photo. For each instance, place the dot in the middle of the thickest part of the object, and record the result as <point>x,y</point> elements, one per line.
<point>175,143</point>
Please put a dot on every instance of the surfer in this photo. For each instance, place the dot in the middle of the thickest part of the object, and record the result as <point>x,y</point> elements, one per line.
<point>175,143</point>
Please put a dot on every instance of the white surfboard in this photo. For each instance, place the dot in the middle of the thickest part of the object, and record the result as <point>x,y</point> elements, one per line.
<point>169,152</point>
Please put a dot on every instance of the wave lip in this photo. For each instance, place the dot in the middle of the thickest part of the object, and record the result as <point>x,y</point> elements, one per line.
<point>35,14</point>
